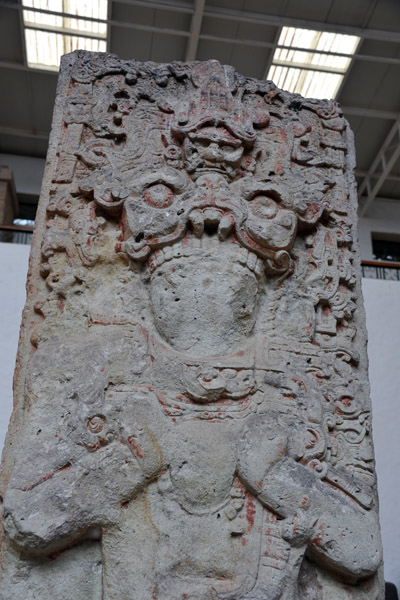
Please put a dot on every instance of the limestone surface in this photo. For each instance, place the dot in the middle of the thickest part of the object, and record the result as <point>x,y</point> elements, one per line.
<point>192,413</point>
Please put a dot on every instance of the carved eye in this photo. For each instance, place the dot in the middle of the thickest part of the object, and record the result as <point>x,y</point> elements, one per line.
<point>159,195</point>
<point>96,424</point>
<point>353,437</point>
<point>264,207</point>
<point>231,150</point>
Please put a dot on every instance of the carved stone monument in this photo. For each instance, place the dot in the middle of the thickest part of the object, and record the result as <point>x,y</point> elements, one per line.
<point>192,413</point>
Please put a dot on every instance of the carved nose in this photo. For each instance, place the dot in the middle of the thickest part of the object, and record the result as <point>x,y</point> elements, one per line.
<point>213,152</point>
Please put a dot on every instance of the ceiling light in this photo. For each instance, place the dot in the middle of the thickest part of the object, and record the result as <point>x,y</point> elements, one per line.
<point>56,27</point>
<point>312,63</point>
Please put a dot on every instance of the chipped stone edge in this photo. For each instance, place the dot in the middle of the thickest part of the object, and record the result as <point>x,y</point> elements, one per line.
<point>24,344</point>
<point>360,315</point>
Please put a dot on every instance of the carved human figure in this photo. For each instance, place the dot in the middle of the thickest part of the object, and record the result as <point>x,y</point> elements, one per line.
<point>198,453</point>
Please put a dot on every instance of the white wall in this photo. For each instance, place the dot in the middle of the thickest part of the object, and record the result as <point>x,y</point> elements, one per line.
<point>382,301</point>
<point>13,270</point>
<point>382,304</point>
<point>383,216</point>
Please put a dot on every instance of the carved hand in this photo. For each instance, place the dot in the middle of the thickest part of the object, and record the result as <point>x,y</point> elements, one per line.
<point>260,447</point>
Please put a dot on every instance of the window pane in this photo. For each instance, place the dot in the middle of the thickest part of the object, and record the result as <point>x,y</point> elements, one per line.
<point>44,49</point>
<point>317,84</point>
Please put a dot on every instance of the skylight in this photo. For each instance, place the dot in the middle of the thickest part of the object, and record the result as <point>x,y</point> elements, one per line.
<point>56,27</point>
<point>297,67</point>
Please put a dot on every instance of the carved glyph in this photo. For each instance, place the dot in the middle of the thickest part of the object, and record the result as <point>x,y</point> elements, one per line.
<point>192,412</point>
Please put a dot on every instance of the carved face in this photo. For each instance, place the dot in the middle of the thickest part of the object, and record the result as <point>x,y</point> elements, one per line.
<point>206,242</point>
<point>213,149</point>
<point>166,205</point>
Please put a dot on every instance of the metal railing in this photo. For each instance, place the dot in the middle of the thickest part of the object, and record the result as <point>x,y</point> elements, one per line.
<point>15,234</point>
<point>379,269</point>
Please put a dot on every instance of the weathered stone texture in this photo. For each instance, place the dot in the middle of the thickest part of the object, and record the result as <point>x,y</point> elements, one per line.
<point>192,416</point>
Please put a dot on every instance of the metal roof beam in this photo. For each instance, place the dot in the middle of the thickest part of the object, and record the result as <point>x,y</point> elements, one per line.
<point>391,177</point>
<point>262,18</point>
<point>386,157</point>
<point>26,133</point>
<point>160,5</point>
<point>195,27</point>
<point>307,67</point>
<point>261,44</point>
<point>66,31</point>
<point>5,64</point>
<point>127,25</point>
<point>378,158</point>
<point>371,113</point>
<point>181,7</point>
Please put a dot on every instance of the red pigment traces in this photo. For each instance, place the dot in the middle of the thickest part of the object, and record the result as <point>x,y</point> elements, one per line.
<point>61,303</point>
<point>144,333</point>
<point>64,468</point>
<point>133,444</point>
<point>152,358</point>
<point>118,247</point>
<point>313,211</point>
<point>250,511</point>
<point>329,240</point>
<point>345,401</point>
<point>45,477</point>
<point>123,230</point>
<point>94,447</point>
<point>296,524</point>
<point>239,353</point>
<point>152,262</point>
<point>239,486</point>
<point>320,536</point>
<point>125,504</point>
<point>93,321</point>
<point>305,502</point>
<point>281,449</point>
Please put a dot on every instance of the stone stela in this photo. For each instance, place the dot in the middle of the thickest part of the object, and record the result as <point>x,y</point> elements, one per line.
<point>192,413</point>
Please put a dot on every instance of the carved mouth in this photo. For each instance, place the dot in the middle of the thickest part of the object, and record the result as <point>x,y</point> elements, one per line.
<point>211,221</point>
<point>191,245</point>
<point>222,170</point>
